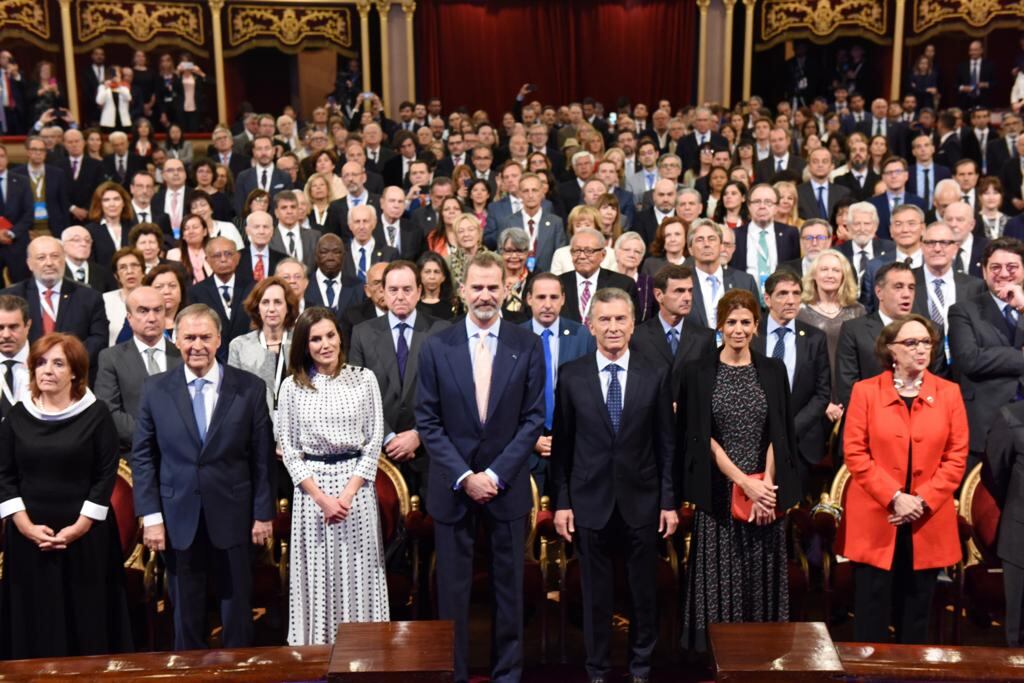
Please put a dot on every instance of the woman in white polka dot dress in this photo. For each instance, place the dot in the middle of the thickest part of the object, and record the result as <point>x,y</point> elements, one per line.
<point>330,427</point>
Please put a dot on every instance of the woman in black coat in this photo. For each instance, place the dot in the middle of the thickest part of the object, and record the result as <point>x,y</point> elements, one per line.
<point>735,432</point>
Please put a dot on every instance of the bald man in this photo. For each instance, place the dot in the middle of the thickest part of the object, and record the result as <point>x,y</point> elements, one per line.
<point>84,172</point>
<point>123,368</point>
<point>364,250</point>
<point>959,216</point>
<point>353,174</point>
<point>372,307</point>
<point>60,305</point>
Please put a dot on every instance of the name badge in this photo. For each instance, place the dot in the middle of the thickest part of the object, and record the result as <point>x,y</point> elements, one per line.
<point>531,263</point>
<point>40,211</point>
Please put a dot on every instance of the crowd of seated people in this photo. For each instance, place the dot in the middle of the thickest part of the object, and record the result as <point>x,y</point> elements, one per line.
<point>772,276</point>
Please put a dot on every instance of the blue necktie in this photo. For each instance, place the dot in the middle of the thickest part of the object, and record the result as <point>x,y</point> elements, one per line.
<point>362,264</point>
<point>549,381</point>
<point>614,399</point>
<point>822,208</point>
<point>649,179</point>
<point>402,350</point>
<point>780,345</point>
<point>672,335</point>
<point>1011,322</point>
<point>356,201</point>
<point>199,407</point>
<point>712,315</point>
<point>226,295</point>
<point>779,166</point>
<point>329,284</point>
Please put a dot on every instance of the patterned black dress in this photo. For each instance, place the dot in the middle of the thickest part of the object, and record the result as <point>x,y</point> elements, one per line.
<point>737,571</point>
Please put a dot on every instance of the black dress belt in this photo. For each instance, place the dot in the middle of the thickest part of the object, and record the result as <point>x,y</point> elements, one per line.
<point>330,458</point>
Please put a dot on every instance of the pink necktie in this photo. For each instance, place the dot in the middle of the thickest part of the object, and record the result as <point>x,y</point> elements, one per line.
<point>175,214</point>
<point>482,376</point>
<point>584,299</point>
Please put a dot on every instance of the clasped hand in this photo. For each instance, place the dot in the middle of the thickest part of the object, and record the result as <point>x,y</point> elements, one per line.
<point>44,537</point>
<point>480,487</point>
<point>762,493</point>
<point>906,508</point>
<point>335,509</point>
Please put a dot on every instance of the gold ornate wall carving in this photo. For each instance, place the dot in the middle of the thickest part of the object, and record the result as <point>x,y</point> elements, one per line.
<point>141,22</point>
<point>288,28</point>
<point>821,21</point>
<point>28,20</point>
<point>973,17</point>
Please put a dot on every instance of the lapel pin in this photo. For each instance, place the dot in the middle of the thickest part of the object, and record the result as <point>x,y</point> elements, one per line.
<point>514,356</point>
<point>929,399</point>
<point>565,333</point>
<point>801,333</point>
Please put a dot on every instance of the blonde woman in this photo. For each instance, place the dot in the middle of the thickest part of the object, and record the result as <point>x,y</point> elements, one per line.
<point>320,194</point>
<point>830,299</point>
<point>469,239</point>
<point>785,210</point>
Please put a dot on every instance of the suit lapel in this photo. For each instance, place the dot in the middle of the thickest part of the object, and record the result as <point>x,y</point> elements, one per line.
<point>462,366</point>
<point>993,315</point>
<point>419,333</point>
<point>659,340</point>
<point>634,378</point>
<point>225,398</point>
<point>801,353</point>
<point>386,347</point>
<point>67,288</point>
<point>594,389</point>
<point>183,400</point>
<point>505,359</point>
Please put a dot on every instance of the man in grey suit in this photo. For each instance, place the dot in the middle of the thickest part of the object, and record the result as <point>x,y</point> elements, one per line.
<point>389,345</point>
<point>985,339</point>
<point>289,237</point>
<point>124,368</point>
<point>711,279</point>
<point>647,175</point>
<point>545,229</point>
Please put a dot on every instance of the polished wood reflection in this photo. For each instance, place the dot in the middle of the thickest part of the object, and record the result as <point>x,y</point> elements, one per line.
<point>248,665</point>
<point>923,662</point>
<point>394,651</point>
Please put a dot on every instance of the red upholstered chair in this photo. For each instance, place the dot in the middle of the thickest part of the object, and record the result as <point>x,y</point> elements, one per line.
<point>394,505</point>
<point>981,578</point>
<point>139,564</point>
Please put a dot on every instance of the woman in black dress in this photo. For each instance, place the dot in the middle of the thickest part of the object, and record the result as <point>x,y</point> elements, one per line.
<point>62,592</point>
<point>736,430</point>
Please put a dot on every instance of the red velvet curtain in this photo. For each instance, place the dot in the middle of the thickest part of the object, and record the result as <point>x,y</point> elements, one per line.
<point>478,53</point>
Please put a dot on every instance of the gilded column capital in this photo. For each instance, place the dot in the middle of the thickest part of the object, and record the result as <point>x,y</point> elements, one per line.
<point>409,7</point>
<point>216,6</point>
<point>383,7</point>
<point>750,4</point>
<point>363,7</point>
<point>703,5</point>
<point>729,5</point>
<point>65,3</point>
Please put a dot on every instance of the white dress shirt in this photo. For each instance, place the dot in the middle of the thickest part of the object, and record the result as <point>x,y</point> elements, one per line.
<point>753,246</point>
<point>916,259</point>
<point>538,330</point>
<point>579,291</point>
<point>368,247</point>
<point>711,302</point>
<point>160,357</point>
<point>211,391</point>
<point>72,269</point>
<point>393,322</point>
<point>53,304</point>
<point>536,226</point>
<point>21,380</point>
<point>321,283</point>
<point>788,342</point>
<point>139,210</point>
<point>230,284</point>
<point>606,377</point>
<point>259,177</point>
<point>295,230</point>
<point>255,253</point>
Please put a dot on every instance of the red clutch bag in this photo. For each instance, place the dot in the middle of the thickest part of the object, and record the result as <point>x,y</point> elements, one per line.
<point>741,504</point>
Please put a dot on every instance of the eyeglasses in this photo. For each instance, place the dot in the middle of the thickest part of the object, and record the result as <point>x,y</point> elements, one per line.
<point>911,344</point>
<point>762,202</point>
<point>815,238</point>
<point>219,255</point>
<point>942,244</point>
<point>1010,268</point>
<point>583,251</point>
<point>513,250</point>
<point>127,267</point>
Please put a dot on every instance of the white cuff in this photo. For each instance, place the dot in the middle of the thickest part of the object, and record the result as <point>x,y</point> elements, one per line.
<point>387,438</point>
<point>458,482</point>
<point>153,519</point>
<point>9,507</point>
<point>94,511</point>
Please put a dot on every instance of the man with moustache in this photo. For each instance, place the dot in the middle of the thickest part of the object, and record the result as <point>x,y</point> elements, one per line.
<point>15,322</point>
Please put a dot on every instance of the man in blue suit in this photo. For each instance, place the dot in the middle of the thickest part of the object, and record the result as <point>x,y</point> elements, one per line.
<point>49,186</point>
<point>895,175</point>
<point>264,175</point>
<point>563,340</point>
<point>202,468</point>
<point>480,410</point>
<point>15,209</point>
<point>924,174</point>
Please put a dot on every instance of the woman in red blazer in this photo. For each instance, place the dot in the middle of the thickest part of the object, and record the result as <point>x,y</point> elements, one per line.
<point>905,444</point>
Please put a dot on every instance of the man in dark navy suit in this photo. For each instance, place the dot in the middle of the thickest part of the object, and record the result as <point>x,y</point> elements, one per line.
<point>563,340</point>
<point>203,479</point>
<point>895,175</point>
<point>480,410</point>
<point>611,470</point>
<point>327,287</point>
<point>15,220</point>
<point>224,292</point>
